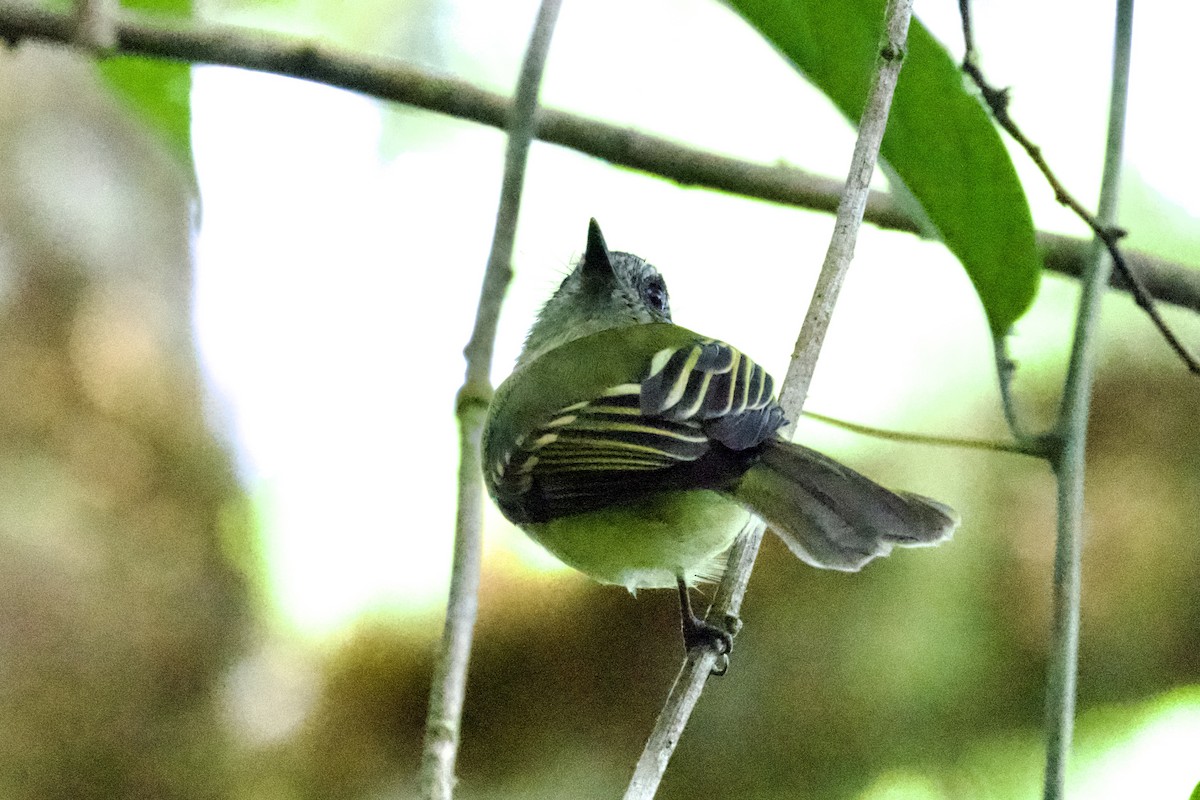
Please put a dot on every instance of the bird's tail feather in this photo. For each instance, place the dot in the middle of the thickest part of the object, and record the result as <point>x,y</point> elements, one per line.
<point>831,516</point>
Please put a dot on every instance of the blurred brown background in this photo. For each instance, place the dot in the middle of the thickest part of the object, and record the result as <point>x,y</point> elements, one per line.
<point>139,657</point>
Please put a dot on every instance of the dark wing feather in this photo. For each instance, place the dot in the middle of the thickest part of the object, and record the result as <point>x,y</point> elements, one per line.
<point>590,455</point>
<point>685,424</point>
<point>715,384</point>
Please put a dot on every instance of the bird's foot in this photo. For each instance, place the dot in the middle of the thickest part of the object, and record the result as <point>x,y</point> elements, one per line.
<point>701,634</point>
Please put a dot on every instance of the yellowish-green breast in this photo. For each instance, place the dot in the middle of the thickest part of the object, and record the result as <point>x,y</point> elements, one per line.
<point>647,544</point>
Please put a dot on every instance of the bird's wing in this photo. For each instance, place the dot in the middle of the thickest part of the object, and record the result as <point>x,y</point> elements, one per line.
<point>636,438</point>
<point>715,384</point>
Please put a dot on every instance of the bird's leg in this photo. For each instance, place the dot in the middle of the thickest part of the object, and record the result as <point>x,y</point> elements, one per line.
<point>700,633</point>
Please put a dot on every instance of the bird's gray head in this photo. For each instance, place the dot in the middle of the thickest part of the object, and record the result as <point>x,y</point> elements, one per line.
<point>605,290</point>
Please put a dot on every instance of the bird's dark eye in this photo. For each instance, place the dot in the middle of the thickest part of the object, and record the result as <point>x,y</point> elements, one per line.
<point>655,294</point>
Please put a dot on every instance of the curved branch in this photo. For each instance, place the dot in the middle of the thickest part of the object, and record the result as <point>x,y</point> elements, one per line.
<point>389,79</point>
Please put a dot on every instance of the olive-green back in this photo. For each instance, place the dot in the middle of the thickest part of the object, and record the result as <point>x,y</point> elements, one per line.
<point>577,371</point>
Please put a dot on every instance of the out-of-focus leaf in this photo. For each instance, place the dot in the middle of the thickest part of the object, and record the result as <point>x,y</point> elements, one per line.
<point>158,91</point>
<point>940,141</point>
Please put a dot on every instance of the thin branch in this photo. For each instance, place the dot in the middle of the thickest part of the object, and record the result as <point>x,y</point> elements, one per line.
<point>392,80</point>
<point>1006,369</point>
<point>939,441</point>
<point>1109,235</point>
<point>448,689</point>
<point>699,664</point>
<point>1072,431</point>
<point>850,211</point>
<point>94,27</point>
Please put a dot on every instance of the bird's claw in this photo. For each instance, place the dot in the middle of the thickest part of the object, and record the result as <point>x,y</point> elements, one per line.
<point>703,635</point>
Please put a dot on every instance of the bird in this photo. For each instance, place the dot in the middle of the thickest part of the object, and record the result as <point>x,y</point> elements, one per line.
<point>636,450</point>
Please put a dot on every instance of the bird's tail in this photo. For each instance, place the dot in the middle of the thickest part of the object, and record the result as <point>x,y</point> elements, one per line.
<point>831,516</point>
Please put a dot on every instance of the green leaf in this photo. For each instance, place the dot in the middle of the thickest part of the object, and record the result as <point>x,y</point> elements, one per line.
<point>158,91</point>
<point>940,142</point>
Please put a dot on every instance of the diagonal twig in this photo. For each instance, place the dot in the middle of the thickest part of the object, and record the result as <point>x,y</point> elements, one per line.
<point>1110,235</point>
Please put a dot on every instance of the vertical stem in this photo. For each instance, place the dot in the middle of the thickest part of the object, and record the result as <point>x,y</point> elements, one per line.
<point>1005,368</point>
<point>690,682</point>
<point>448,690</point>
<point>1072,431</point>
<point>96,25</point>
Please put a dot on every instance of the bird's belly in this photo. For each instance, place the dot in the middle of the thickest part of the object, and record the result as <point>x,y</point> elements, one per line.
<point>647,544</point>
